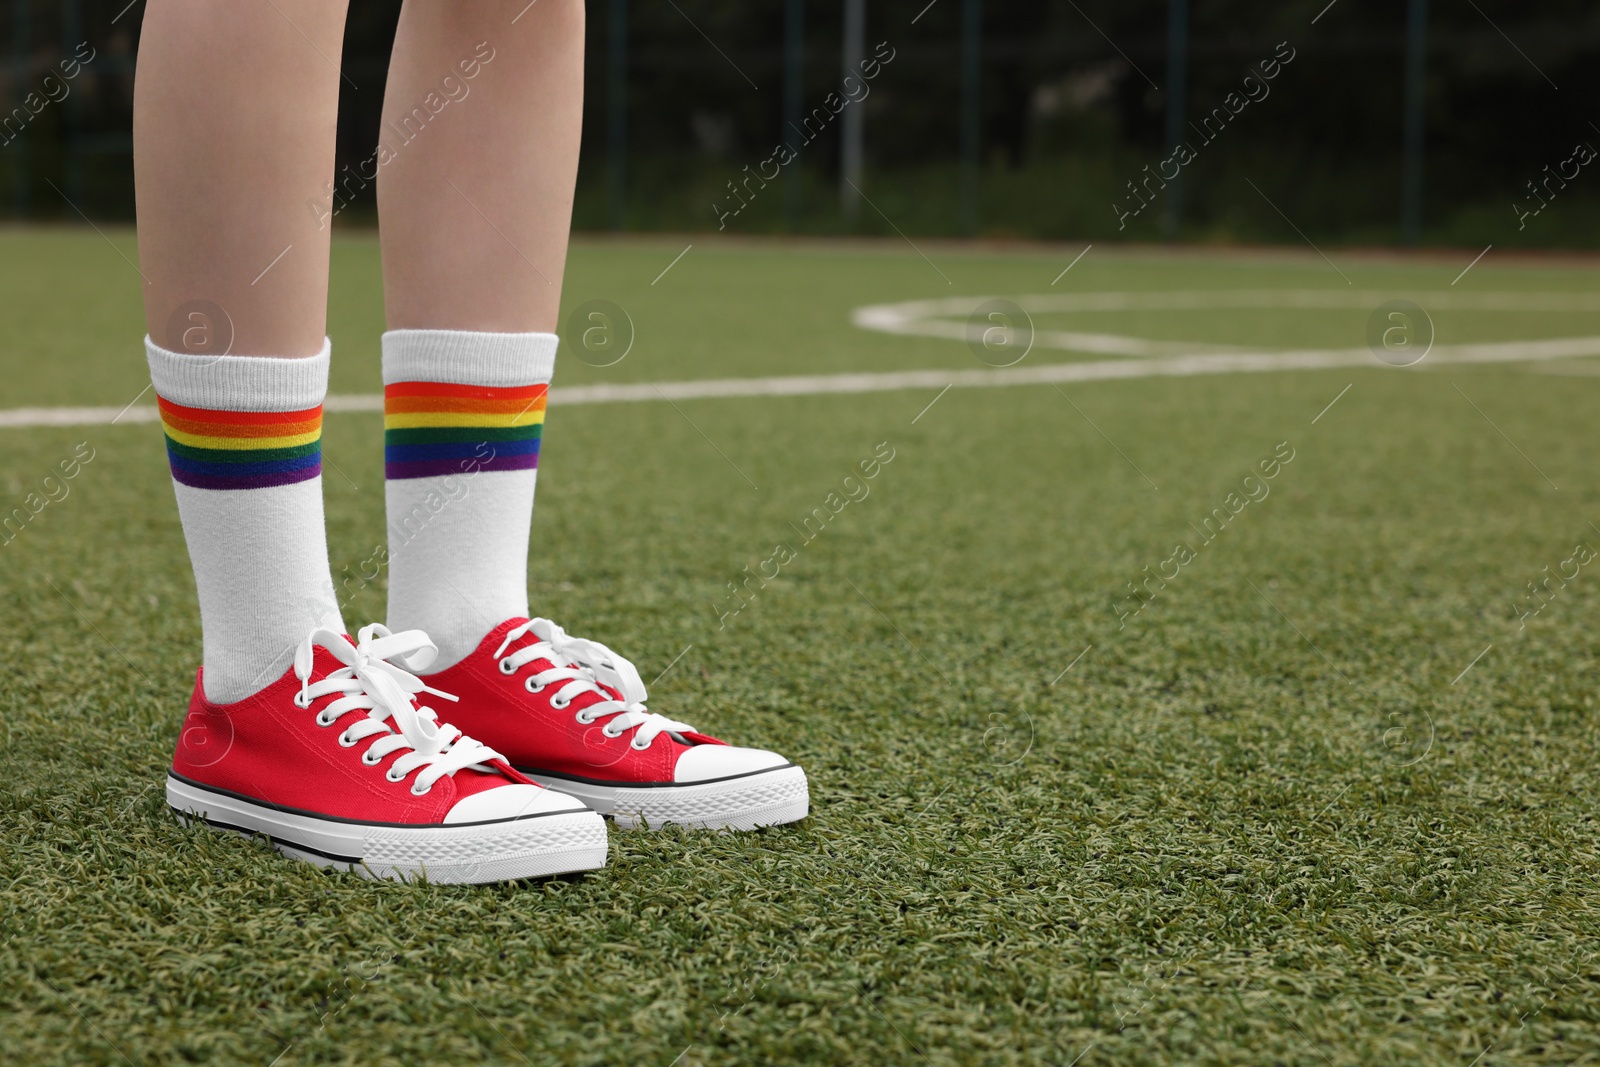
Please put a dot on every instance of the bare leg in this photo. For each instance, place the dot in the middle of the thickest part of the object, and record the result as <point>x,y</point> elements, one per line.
<point>234,111</point>
<point>482,117</point>
<point>476,205</point>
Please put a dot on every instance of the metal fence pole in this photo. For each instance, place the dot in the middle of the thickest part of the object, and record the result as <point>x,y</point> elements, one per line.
<point>72,107</point>
<point>855,47</point>
<point>1177,86</point>
<point>1416,89</point>
<point>971,110</point>
<point>794,55</point>
<point>21,39</point>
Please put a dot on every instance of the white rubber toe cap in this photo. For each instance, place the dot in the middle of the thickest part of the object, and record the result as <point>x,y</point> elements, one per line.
<point>706,762</point>
<point>509,802</point>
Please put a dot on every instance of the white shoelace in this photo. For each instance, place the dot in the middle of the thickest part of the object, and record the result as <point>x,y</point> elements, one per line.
<point>584,666</point>
<point>372,681</point>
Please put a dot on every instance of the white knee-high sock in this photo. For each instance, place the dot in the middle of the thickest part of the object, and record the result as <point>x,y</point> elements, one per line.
<point>463,415</point>
<point>244,439</point>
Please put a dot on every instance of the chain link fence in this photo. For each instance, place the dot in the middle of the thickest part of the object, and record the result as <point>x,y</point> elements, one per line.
<point>1359,121</point>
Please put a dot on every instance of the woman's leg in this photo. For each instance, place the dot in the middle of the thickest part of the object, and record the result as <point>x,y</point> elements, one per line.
<point>475,199</point>
<point>482,116</point>
<point>233,134</point>
<point>475,205</point>
<point>234,129</point>
<point>234,112</point>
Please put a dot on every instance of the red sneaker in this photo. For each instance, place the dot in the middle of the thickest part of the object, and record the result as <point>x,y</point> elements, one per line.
<point>570,713</point>
<point>393,793</point>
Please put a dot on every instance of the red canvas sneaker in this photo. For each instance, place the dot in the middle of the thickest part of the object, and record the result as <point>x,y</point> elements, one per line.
<point>337,763</point>
<point>570,713</point>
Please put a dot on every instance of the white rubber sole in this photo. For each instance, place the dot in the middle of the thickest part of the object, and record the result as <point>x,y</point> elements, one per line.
<point>530,847</point>
<point>765,798</point>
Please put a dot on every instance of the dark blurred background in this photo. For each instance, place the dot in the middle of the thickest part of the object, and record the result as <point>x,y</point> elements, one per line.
<point>1452,122</point>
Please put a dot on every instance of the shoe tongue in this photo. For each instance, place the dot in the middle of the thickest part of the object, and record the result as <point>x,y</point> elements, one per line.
<point>468,780</point>
<point>582,700</point>
<point>324,663</point>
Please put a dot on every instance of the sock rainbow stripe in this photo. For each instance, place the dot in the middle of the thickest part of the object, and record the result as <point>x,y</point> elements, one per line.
<point>241,449</point>
<point>436,428</point>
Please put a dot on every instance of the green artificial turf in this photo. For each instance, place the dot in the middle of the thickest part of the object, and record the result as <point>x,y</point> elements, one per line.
<point>1269,820</point>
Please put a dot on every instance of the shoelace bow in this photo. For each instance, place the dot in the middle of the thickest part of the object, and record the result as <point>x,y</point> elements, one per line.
<point>374,679</point>
<point>586,666</point>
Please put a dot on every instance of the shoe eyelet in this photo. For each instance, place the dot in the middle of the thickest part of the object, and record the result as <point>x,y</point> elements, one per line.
<point>424,791</point>
<point>302,701</point>
<point>391,776</point>
<point>609,732</point>
<point>323,720</point>
<point>636,746</point>
<point>559,702</point>
<point>584,718</point>
<point>346,741</point>
<point>532,686</point>
<point>506,667</point>
<point>369,759</point>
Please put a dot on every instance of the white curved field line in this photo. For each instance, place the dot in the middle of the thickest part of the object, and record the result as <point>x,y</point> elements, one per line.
<point>947,317</point>
<point>1173,359</point>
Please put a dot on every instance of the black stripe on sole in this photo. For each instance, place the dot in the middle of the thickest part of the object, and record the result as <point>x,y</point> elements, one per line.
<point>647,785</point>
<point>285,809</point>
<point>276,841</point>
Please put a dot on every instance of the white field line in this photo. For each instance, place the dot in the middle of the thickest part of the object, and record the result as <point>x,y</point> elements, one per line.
<point>946,317</point>
<point>1206,299</point>
<point>823,384</point>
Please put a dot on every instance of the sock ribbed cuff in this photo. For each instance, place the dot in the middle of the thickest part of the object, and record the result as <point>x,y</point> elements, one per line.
<point>468,357</point>
<point>240,422</point>
<point>239,383</point>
